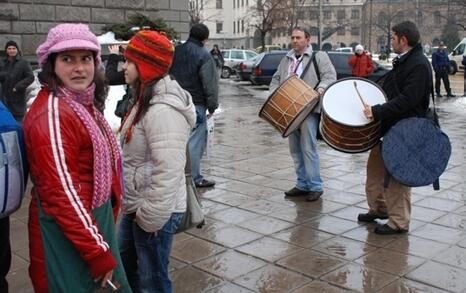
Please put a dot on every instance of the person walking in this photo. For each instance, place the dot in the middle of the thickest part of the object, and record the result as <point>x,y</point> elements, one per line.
<point>195,70</point>
<point>218,58</point>
<point>464,64</point>
<point>407,87</point>
<point>441,64</point>
<point>303,141</point>
<point>154,137</point>
<point>75,166</point>
<point>361,63</point>
<point>15,76</point>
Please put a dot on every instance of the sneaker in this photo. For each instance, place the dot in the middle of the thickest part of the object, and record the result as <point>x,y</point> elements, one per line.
<point>295,191</point>
<point>371,217</point>
<point>313,195</point>
<point>205,183</point>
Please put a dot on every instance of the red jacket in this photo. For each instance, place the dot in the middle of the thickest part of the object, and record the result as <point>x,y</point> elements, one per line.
<point>361,65</point>
<point>60,156</point>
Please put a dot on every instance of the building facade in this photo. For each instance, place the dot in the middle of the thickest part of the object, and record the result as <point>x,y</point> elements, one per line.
<point>28,21</point>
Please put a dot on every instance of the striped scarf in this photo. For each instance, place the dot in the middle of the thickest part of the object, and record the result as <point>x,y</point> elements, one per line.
<point>106,152</point>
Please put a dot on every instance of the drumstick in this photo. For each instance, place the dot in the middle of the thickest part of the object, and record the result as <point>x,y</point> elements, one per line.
<point>359,94</point>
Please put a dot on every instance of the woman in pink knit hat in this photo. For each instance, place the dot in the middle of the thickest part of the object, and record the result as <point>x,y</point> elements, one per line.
<point>75,165</point>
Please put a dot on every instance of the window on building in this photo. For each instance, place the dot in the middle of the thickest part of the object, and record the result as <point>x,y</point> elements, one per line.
<point>218,4</point>
<point>219,27</point>
<point>419,17</point>
<point>247,2</point>
<point>355,14</point>
<point>314,31</point>
<point>242,3</point>
<point>313,14</point>
<point>327,14</point>
<point>382,19</point>
<point>234,3</point>
<point>234,27</point>
<point>355,30</point>
<point>242,26</point>
<point>437,17</point>
<point>237,26</point>
<point>341,31</point>
<point>341,14</point>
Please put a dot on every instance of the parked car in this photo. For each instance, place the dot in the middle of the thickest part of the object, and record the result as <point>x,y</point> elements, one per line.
<point>265,66</point>
<point>232,57</point>
<point>268,48</point>
<point>456,56</point>
<point>340,62</point>
<point>344,49</point>
<point>244,69</point>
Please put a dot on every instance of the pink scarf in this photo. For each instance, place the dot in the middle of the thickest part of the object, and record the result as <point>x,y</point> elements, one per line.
<point>105,147</point>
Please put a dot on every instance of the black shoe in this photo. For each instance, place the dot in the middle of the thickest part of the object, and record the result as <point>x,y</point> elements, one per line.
<point>439,96</point>
<point>295,191</point>
<point>387,230</point>
<point>371,217</point>
<point>450,95</point>
<point>313,195</point>
<point>205,183</point>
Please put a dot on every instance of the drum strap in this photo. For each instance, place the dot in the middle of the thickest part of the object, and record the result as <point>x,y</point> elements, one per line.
<point>316,68</point>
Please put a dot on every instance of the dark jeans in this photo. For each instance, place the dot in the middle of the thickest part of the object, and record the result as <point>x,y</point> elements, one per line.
<point>5,253</point>
<point>442,75</point>
<point>145,256</point>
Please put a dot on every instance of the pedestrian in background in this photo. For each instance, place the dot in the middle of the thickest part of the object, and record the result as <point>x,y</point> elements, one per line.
<point>195,70</point>
<point>75,166</point>
<point>441,65</point>
<point>117,77</point>
<point>361,63</point>
<point>154,136</point>
<point>218,58</point>
<point>303,141</point>
<point>15,75</point>
<point>407,86</point>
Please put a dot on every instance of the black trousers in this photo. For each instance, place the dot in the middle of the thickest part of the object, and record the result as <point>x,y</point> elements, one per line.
<point>5,253</point>
<point>442,75</point>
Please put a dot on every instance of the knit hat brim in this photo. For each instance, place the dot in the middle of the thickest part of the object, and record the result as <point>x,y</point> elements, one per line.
<point>69,45</point>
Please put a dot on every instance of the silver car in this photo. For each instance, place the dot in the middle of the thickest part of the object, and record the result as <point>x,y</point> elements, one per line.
<point>232,57</point>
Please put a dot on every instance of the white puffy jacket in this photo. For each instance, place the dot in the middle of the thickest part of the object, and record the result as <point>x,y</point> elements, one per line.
<point>155,157</point>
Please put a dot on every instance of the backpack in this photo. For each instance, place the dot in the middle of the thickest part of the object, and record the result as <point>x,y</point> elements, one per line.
<point>13,164</point>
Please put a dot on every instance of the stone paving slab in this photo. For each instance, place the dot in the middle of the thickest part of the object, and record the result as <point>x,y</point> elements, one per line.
<point>255,240</point>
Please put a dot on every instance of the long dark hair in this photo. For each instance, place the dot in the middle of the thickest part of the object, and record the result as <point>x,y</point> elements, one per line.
<point>48,77</point>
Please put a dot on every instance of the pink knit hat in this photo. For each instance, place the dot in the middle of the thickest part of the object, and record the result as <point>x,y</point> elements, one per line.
<point>66,37</point>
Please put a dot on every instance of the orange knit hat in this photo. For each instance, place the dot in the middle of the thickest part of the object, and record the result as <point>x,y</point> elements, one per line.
<point>152,52</point>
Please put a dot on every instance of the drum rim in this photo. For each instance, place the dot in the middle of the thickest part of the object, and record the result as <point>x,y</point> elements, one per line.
<point>343,79</point>
<point>362,150</point>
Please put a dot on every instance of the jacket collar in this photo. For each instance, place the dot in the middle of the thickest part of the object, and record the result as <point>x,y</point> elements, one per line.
<point>195,41</point>
<point>308,52</point>
<point>417,48</point>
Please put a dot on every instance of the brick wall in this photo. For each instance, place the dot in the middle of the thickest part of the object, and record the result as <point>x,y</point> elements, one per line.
<point>28,21</point>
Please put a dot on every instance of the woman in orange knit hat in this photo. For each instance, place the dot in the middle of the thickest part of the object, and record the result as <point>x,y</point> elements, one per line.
<point>154,135</point>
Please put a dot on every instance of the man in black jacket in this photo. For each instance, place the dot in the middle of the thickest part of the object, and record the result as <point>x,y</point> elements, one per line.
<point>15,75</point>
<point>407,87</point>
<point>195,70</point>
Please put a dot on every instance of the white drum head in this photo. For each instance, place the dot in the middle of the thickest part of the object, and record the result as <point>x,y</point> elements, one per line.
<point>342,104</point>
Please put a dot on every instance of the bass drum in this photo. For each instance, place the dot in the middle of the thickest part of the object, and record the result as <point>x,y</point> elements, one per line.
<point>343,125</point>
<point>288,106</point>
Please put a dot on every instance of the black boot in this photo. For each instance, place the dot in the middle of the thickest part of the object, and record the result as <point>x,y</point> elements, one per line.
<point>450,95</point>
<point>439,95</point>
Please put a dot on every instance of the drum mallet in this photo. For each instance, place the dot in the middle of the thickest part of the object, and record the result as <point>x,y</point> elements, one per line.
<point>359,94</point>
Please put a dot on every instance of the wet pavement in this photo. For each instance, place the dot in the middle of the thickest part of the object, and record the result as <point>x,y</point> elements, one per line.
<point>255,240</point>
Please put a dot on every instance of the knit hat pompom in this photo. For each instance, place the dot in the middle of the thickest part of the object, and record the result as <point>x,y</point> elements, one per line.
<point>152,53</point>
<point>67,37</point>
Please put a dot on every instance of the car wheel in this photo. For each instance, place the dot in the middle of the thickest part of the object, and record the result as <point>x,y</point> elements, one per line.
<point>453,68</point>
<point>226,72</point>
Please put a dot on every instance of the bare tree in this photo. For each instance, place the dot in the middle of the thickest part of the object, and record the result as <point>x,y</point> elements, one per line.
<point>197,11</point>
<point>266,15</point>
<point>385,21</point>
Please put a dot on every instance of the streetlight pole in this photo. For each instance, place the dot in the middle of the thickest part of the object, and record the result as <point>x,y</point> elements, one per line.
<point>370,26</point>
<point>319,25</point>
